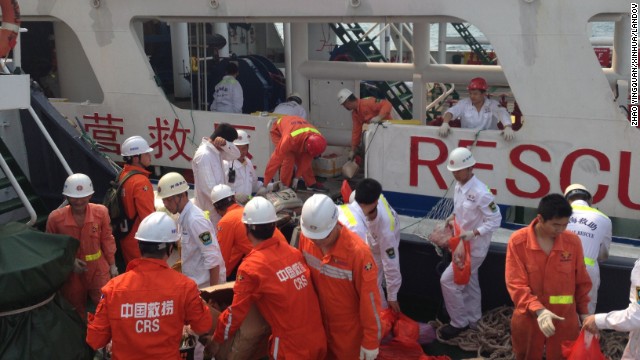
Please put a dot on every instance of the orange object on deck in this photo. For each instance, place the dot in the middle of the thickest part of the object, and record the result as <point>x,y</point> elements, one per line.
<point>461,275</point>
<point>10,26</point>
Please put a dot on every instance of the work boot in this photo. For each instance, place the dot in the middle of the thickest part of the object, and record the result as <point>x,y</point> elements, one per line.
<point>449,331</point>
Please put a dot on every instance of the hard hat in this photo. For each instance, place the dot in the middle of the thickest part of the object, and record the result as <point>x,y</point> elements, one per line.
<point>319,216</point>
<point>316,144</point>
<point>574,189</point>
<point>343,95</point>
<point>259,211</point>
<point>294,96</point>
<point>352,197</point>
<point>478,84</point>
<point>221,191</point>
<point>460,158</point>
<point>158,227</point>
<point>243,138</point>
<point>171,184</point>
<point>77,186</point>
<point>135,145</point>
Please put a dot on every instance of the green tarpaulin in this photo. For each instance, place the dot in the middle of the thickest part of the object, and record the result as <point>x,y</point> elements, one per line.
<point>33,267</point>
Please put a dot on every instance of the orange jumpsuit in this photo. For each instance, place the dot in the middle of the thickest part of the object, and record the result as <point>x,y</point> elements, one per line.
<point>346,279</point>
<point>232,237</point>
<point>291,132</point>
<point>97,249</point>
<point>138,203</point>
<point>275,278</point>
<point>143,312</point>
<point>366,109</point>
<point>558,282</point>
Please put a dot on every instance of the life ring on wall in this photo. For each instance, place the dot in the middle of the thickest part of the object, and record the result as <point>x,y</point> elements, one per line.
<point>10,26</point>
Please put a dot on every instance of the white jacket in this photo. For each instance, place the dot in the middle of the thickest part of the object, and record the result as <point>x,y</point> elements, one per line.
<point>291,108</point>
<point>246,179</point>
<point>228,96</point>
<point>474,208</point>
<point>470,118</point>
<point>208,171</point>
<point>200,250</point>
<point>627,319</point>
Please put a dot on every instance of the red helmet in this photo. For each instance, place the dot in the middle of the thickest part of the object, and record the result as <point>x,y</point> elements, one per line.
<point>478,84</point>
<point>316,144</point>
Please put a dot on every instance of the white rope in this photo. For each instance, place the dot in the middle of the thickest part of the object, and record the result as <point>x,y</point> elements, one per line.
<point>28,308</point>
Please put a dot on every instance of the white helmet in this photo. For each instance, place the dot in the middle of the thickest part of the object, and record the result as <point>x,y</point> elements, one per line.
<point>158,227</point>
<point>77,186</point>
<point>352,197</point>
<point>319,216</point>
<point>574,189</point>
<point>135,145</point>
<point>243,138</point>
<point>221,191</point>
<point>172,184</point>
<point>460,158</point>
<point>343,95</point>
<point>259,211</point>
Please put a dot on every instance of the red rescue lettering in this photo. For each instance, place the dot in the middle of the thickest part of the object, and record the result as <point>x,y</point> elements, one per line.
<point>415,161</point>
<point>545,186</point>
<point>147,326</point>
<point>623,185</point>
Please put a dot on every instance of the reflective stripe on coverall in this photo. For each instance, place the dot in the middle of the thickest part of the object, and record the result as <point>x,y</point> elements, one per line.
<point>558,282</point>
<point>275,278</point>
<point>291,151</point>
<point>367,109</point>
<point>97,249</point>
<point>144,310</point>
<point>346,281</point>
<point>138,203</point>
<point>594,230</point>
<point>627,319</point>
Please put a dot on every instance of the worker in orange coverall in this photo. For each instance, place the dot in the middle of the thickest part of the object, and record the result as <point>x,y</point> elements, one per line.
<point>297,143</point>
<point>275,278</point>
<point>143,311</point>
<point>548,282</point>
<point>345,276</point>
<point>137,192</point>
<point>95,261</point>
<point>363,111</point>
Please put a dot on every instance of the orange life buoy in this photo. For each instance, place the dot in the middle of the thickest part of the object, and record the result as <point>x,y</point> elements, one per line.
<point>10,25</point>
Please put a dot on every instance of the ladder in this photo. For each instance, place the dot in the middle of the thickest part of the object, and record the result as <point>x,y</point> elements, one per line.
<point>475,46</point>
<point>362,48</point>
<point>16,181</point>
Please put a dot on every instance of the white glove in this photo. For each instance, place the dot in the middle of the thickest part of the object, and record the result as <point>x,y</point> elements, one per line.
<point>444,129</point>
<point>467,235</point>
<point>352,154</point>
<point>366,354</point>
<point>113,270</point>
<point>545,322</point>
<point>262,191</point>
<point>242,198</point>
<point>274,186</point>
<point>294,184</point>
<point>79,266</point>
<point>508,134</point>
<point>377,119</point>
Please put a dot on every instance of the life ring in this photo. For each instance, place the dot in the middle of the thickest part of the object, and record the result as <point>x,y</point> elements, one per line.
<point>10,26</point>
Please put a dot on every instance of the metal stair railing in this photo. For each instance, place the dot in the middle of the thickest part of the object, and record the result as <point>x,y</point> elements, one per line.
<point>473,43</point>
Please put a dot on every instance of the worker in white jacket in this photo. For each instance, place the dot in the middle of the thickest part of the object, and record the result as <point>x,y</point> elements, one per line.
<point>369,215</point>
<point>208,169</point>
<point>623,320</point>
<point>293,106</point>
<point>240,173</point>
<point>228,96</point>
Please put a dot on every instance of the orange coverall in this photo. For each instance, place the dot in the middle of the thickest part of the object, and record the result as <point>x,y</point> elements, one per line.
<point>138,203</point>
<point>232,237</point>
<point>558,282</point>
<point>291,133</point>
<point>366,109</point>
<point>143,312</point>
<point>275,278</point>
<point>346,279</point>
<point>97,249</point>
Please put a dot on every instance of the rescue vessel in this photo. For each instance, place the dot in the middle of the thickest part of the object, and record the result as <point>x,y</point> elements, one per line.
<point>103,85</point>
